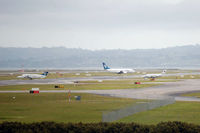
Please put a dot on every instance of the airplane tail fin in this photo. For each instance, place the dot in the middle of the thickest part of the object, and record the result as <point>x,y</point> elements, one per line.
<point>105,66</point>
<point>45,73</point>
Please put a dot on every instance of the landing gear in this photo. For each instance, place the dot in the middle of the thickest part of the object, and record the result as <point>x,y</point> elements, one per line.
<point>152,79</point>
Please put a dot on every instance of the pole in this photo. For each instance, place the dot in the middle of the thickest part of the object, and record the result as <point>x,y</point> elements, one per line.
<point>69,95</point>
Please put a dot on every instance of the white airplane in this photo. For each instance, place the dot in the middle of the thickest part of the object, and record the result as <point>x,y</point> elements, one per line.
<point>117,70</point>
<point>31,76</point>
<point>153,76</point>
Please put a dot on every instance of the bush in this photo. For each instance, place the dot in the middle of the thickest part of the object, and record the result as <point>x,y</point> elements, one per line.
<point>52,127</point>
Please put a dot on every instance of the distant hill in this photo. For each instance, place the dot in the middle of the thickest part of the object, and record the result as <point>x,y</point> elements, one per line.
<point>60,57</point>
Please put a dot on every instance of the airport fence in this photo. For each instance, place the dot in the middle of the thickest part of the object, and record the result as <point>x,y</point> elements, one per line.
<point>136,108</point>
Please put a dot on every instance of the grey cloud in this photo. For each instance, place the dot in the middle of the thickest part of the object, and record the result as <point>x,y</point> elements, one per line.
<point>83,19</point>
<point>94,14</point>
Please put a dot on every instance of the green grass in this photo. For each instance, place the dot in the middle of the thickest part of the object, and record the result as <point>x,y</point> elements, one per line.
<point>182,77</point>
<point>29,87</point>
<point>179,111</point>
<point>56,107</point>
<point>196,94</point>
<point>9,77</point>
<point>96,86</point>
<point>128,81</point>
<point>160,80</point>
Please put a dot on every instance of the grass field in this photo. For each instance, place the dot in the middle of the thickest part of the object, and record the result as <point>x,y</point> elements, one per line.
<point>8,77</point>
<point>129,81</point>
<point>179,111</point>
<point>181,77</point>
<point>196,94</point>
<point>56,107</point>
<point>80,86</point>
<point>91,85</point>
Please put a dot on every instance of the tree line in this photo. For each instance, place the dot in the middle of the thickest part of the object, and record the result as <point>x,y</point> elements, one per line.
<point>60,57</point>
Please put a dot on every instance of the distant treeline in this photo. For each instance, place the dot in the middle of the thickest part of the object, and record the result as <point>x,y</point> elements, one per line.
<point>52,127</point>
<point>60,57</point>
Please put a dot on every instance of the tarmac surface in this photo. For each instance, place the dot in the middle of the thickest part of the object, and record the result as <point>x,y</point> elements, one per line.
<point>71,80</point>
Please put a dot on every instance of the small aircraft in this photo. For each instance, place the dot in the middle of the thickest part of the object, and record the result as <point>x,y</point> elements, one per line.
<point>31,76</point>
<point>153,76</point>
<point>117,70</point>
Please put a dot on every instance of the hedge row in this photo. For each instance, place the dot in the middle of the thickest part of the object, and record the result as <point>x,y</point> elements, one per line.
<point>52,127</point>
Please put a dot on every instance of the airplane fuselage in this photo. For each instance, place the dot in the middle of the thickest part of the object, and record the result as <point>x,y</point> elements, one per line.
<point>120,70</point>
<point>31,76</point>
<point>152,75</point>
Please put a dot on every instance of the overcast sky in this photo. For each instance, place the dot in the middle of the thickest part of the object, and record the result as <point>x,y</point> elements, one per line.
<point>99,24</point>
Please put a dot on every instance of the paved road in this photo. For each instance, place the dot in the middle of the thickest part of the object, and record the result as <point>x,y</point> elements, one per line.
<point>169,89</point>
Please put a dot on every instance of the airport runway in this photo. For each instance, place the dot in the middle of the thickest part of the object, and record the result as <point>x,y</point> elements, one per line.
<point>168,89</point>
<point>60,80</point>
<point>71,80</point>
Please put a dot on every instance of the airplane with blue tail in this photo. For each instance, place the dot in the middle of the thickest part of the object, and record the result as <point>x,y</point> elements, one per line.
<point>117,70</point>
<point>31,76</point>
